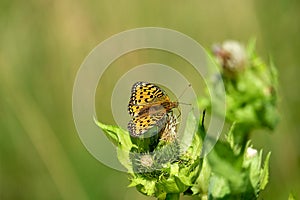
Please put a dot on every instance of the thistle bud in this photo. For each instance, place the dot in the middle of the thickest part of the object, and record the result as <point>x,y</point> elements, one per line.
<point>231,55</point>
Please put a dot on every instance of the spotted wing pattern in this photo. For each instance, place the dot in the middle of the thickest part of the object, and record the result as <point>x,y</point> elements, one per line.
<point>143,96</point>
<point>141,124</point>
<point>149,106</point>
<point>169,133</point>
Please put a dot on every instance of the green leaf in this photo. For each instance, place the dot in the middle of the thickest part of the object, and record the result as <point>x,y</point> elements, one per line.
<point>255,171</point>
<point>116,135</point>
<point>172,185</point>
<point>189,173</point>
<point>231,137</point>
<point>291,197</point>
<point>202,182</point>
<point>226,164</point>
<point>110,132</point>
<point>144,186</point>
<point>123,157</point>
<point>264,176</point>
<point>218,187</point>
<point>121,139</point>
<point>192,139</point>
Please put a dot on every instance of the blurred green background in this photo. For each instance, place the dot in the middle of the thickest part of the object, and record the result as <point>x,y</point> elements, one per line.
<point>43,43</point>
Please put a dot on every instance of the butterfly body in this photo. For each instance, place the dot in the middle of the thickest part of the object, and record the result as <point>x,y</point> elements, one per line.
<point>157,108</point>
<point>149,106</point>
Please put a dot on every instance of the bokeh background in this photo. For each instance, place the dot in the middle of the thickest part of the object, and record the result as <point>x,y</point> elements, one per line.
<point>43,43</point>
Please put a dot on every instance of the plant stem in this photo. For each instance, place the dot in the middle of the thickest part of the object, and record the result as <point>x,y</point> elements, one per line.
<point>173,196</point>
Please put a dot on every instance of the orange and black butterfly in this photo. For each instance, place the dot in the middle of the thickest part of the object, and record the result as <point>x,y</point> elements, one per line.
<point>149,107</point>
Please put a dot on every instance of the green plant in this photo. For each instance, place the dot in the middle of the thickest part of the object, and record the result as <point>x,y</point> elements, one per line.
<point>233,169</point>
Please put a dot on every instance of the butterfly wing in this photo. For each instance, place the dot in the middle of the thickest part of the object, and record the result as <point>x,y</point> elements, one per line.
<point>169,134</point>
<point>152,124</point>
<point>145,95</point>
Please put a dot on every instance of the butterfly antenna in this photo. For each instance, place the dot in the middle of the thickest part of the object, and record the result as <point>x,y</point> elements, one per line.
<point>182,103</point>
<point>189,85</point>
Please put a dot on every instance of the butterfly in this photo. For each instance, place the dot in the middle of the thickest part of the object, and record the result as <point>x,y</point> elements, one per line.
<point>149,106</point>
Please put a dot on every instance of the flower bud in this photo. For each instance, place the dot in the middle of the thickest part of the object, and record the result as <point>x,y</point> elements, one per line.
<point>231,55</point>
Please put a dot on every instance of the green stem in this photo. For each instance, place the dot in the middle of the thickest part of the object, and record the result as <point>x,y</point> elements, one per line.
<point>173,196</point>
